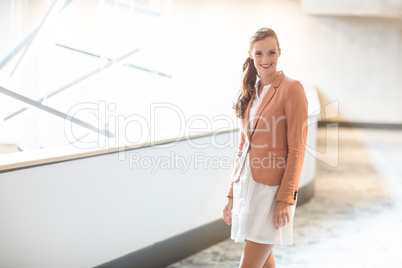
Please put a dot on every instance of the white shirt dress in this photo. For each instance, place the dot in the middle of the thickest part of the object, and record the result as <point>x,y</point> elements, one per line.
<point>254,203</point>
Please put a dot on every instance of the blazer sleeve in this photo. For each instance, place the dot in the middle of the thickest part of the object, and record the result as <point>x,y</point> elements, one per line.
<point>238,154</point>
<point>296,114</point>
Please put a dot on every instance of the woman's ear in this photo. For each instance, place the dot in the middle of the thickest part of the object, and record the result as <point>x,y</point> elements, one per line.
<point>250,55</point>
<point>279,54</point>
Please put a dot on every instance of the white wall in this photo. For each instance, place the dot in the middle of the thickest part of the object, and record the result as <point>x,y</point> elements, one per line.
<point>356,61</point>
<point>352,60</point>
<point>372,8</point>
<point>86,212</point>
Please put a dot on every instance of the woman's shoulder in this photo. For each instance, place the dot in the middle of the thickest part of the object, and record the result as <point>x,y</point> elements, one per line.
<point>292,87</point>
<point>291,84</point>
<point>291,81</point>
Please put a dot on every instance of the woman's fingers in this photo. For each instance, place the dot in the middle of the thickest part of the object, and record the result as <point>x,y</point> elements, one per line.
<point>282,215</point>
<point>224,216</point>
<point>227,215</point>
<point>227,212</point>
<point>276,221</point>
<point>281,219</point>
<point>229,218</point>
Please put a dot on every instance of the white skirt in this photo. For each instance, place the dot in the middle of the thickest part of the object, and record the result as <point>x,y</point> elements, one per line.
<point>253,212</point>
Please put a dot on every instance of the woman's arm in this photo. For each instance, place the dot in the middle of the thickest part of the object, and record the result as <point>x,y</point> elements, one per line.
<point>296,112</point>
<point>227,212</point>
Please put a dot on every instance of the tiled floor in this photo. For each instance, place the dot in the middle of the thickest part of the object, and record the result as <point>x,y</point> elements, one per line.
<point>355,217</point>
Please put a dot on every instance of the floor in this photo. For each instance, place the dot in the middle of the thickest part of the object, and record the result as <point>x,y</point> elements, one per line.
<point>355,217</point>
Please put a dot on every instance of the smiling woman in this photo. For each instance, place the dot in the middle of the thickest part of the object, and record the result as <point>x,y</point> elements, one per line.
<point>262,198</point>
<point>265,61</point>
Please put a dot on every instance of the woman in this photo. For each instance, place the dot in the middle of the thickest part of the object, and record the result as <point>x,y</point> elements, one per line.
<point>263,193</point>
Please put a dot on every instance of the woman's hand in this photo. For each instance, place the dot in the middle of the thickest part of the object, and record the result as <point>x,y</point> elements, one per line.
<point>282,214</point>
<point>227,211</point>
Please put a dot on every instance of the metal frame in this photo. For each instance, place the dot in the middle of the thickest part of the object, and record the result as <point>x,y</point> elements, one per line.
<point>31,103</point>
<point>54,10</point>
<point>135,7</point>
<point>74,83</point>
<point>27,46</point>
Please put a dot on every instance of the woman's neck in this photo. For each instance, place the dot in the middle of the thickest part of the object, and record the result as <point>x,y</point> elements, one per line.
<point>267,80</point>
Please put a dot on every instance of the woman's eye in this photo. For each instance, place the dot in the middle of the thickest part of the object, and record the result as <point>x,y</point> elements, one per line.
<point>272,52</point>
<point>258,53</point>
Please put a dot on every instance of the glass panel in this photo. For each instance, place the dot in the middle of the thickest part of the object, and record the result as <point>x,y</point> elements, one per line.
<point>80,60</point>
<point>105,61</point>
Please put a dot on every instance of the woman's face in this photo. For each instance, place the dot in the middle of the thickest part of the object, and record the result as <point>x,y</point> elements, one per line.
<point>265,54</point>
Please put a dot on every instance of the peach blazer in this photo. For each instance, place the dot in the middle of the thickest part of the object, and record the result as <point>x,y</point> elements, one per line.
<point>277,141</point>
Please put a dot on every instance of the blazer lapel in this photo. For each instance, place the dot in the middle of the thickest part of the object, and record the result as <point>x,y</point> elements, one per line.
<point>271,92</point>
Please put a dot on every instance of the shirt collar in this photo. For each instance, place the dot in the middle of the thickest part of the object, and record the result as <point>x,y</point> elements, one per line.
<point>278,79</point>
<point>255,87</point>
<point>276,82</point>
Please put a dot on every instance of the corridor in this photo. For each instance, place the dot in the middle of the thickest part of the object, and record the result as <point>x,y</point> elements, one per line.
<point>355,216</point>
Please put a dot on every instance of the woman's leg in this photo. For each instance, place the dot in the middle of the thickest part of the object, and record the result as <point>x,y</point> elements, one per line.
<point>255,254</point>
<point>270,262</point>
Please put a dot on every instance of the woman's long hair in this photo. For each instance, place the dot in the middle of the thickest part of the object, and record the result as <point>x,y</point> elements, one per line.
<point>250,74</point>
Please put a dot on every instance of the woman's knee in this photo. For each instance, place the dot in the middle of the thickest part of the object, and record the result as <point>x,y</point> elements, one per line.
<point>255,254</point>
<point>270,262</point>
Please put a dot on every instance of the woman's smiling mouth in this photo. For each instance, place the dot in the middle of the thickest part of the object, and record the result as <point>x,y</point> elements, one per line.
<point>266,66</point>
